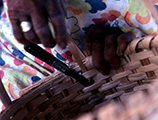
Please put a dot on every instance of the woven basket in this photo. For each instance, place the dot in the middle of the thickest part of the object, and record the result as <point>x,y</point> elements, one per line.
<point>142,105</point>
<point>61,97</point>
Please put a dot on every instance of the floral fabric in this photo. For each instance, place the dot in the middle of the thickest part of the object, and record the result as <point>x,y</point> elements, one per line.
<point>19,69</point>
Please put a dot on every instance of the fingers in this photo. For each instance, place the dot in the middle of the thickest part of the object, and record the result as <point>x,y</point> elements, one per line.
<point>110,50</point>
<point>104,54</point>
<point>29,35</point>
<point>123,40</point>
<point>89,39</point>
<point>18,31</point>
<point>115,45</point>
<point>41,28</point>
<point>97,58</point>
<point>40,32</point>
<point>95,33</point>
<point>57,18</point>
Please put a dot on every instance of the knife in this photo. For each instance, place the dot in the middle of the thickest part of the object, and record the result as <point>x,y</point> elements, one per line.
<point>48,58</point>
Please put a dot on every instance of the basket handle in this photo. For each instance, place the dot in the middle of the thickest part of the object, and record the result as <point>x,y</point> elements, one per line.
<point>4,96</point>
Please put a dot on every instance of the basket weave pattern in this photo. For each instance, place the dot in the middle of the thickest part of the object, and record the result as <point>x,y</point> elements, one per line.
<point>60,97</point>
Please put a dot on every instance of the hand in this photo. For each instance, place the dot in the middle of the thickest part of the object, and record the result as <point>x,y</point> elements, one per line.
<point>105,44</point>
<point>37,12</point>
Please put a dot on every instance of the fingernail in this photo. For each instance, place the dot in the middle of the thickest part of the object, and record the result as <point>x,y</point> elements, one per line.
<point>88,52</point>
<point>120,54</point>
<point>117,50</point>
<point>102,72</point>
<point>62,45</point>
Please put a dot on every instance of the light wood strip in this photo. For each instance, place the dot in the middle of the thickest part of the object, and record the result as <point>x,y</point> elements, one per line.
<point>78,55</point>
<point>146,68</point>
<point>141,55</point>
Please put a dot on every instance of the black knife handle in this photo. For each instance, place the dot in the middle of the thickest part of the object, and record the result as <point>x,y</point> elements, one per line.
<point>46,57</point>
<point>54,62</point>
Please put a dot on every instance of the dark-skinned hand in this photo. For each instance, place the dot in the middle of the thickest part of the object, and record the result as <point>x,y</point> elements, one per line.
<point>37,12</point>
<point>104,44</point>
